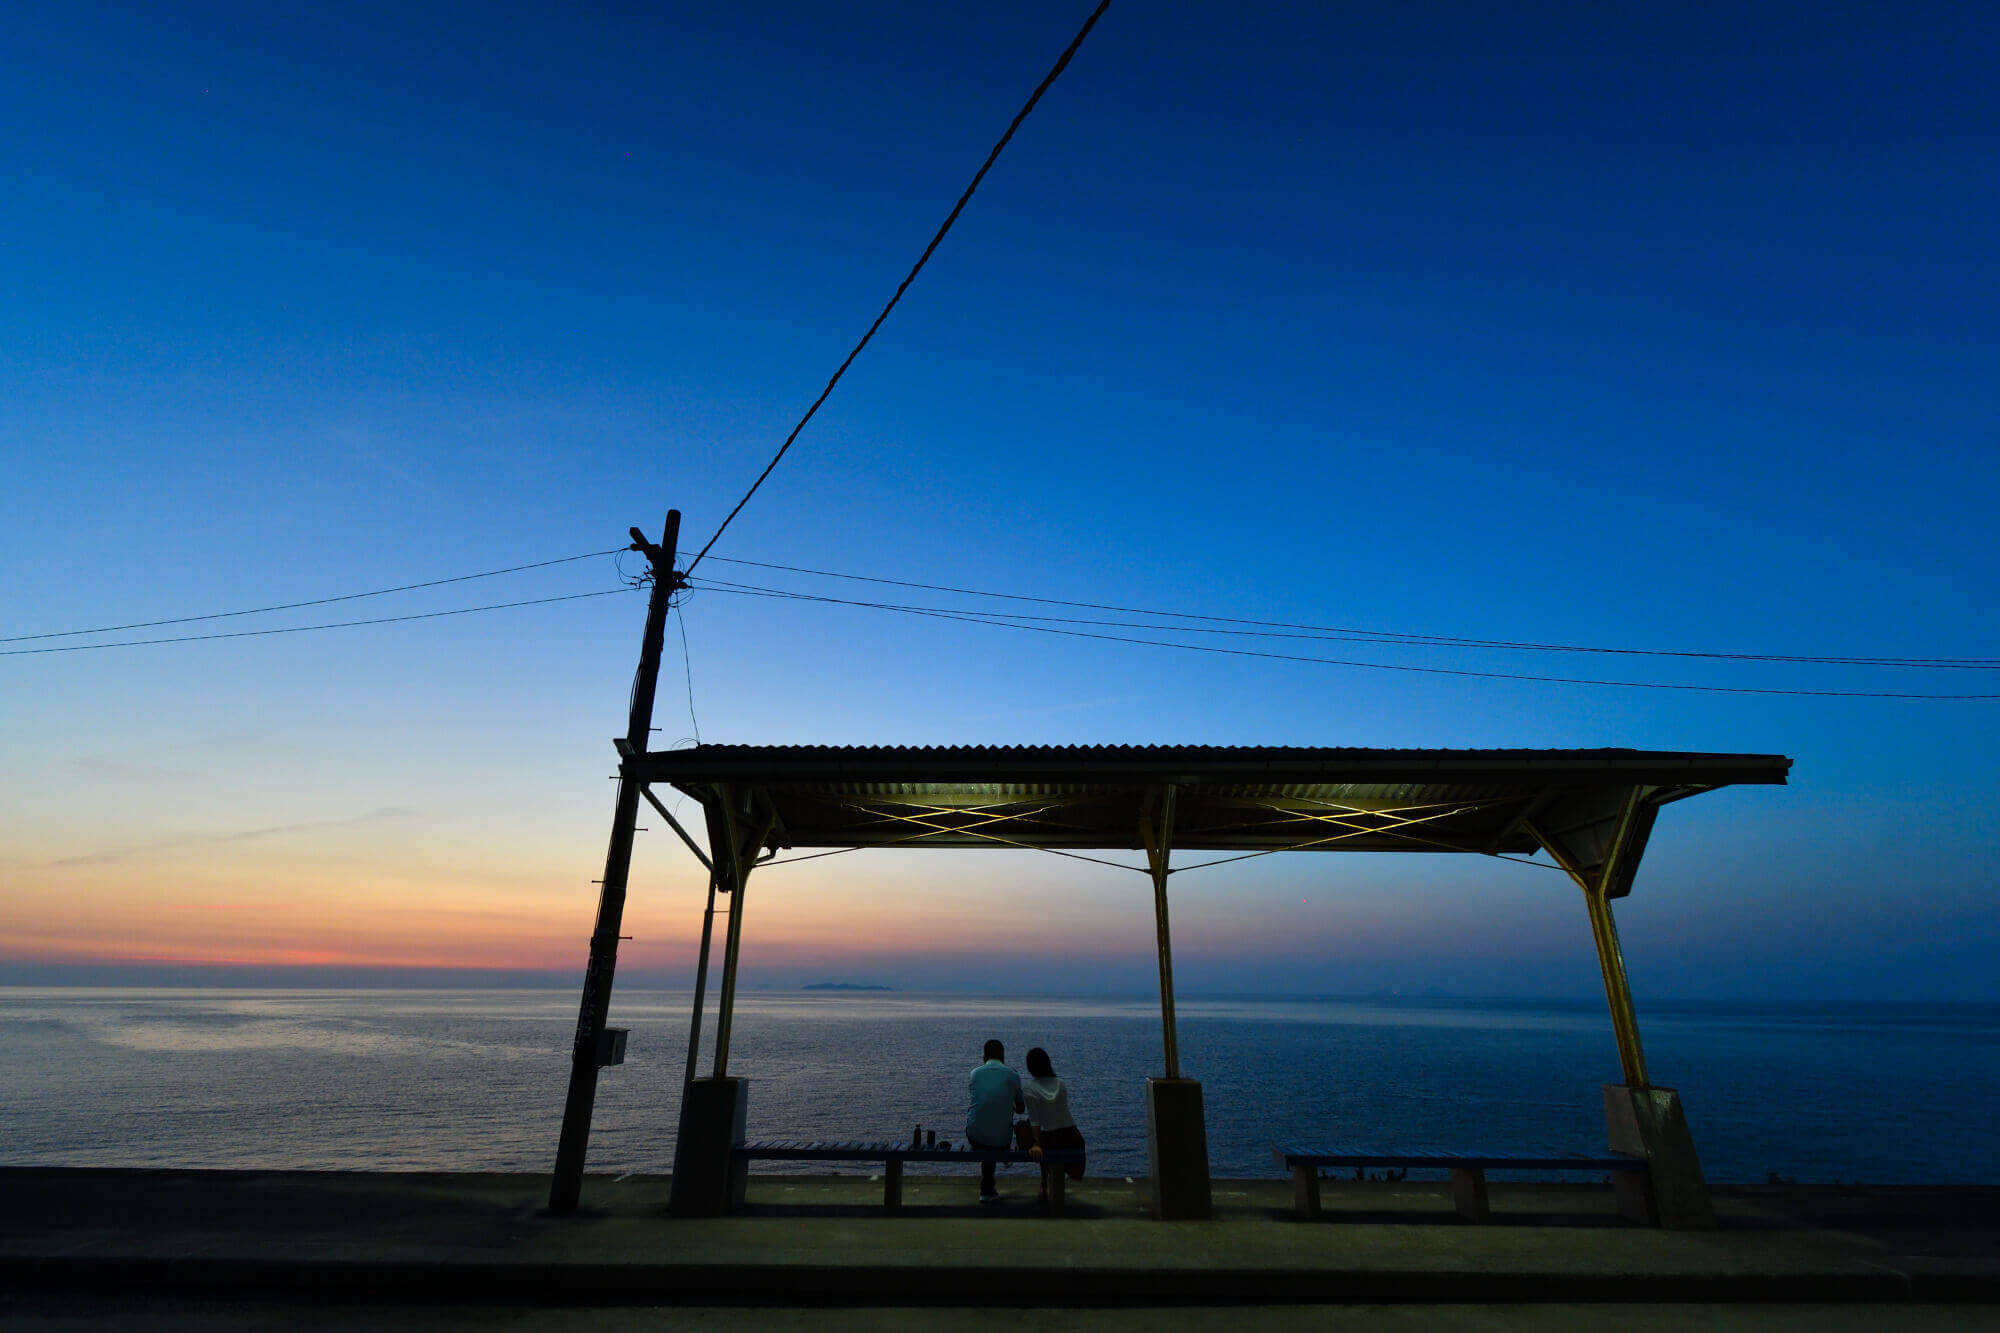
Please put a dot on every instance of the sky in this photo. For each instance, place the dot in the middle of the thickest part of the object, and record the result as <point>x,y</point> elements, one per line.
<point>1669,329</point>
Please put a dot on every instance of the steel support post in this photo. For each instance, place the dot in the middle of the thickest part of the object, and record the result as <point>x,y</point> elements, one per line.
<point>1640,1119</point>
<point>1158,835</point>
<point>595,1008</point>
<point>725,1007</point>
<point>707,1180</point>
<point>742,857</point>
<point>1617,990</point>
<point>1176,1127</point>
<point>701,977</point>
<point>1604,930</point>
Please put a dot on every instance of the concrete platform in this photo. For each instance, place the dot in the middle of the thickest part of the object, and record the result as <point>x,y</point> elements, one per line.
<point>390,1239</point>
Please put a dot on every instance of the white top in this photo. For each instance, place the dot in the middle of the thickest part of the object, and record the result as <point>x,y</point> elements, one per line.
<point>1048,1103</point>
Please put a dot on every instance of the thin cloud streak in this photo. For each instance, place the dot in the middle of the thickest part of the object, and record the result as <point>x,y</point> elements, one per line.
<point>112,854</point>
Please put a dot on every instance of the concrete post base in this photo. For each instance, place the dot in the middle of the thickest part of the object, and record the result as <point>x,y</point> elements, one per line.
<point>1177,1149</point>
<point>707,1181</point>
<point>1648,1122</point>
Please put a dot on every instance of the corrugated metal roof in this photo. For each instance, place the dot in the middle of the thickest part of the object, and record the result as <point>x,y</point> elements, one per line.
<point>1227,797</point>
<point>1231,752</point>
<point>1122,764</point>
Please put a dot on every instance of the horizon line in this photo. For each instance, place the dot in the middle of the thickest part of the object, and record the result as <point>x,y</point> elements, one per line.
<point>821,989</point>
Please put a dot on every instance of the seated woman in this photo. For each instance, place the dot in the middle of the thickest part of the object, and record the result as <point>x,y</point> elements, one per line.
<point>1048,1113</point>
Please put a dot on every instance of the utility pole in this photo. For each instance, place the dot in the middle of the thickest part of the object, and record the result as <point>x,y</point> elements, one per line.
<point>591,1049</point>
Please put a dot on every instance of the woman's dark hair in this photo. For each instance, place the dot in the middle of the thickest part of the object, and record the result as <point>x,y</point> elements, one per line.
<point>1038,1063</point>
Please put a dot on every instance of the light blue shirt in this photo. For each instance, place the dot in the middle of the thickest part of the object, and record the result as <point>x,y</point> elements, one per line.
<point>996,1095</point>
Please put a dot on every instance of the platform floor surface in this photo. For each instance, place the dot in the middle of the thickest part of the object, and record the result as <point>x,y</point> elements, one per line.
<point>80,1247</point>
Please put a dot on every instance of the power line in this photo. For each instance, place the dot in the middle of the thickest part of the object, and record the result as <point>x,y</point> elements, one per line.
<point>990,618</point>
<point>1015,620</point>
<point>1009,619</point>
<point>1062,63</point>
<point>1326,636</point>
<point>300,629</point>
<point>1355,635</point>
<point>293,606</point>
<point>687,672</point>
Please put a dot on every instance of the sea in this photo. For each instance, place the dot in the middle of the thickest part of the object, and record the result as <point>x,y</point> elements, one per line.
<point>455,1080</point>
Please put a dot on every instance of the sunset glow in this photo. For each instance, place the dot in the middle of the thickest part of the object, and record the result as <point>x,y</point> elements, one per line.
<point>1298,376</point>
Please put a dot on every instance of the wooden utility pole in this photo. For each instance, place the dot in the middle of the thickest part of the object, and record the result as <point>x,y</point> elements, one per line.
<point>591,1049</point>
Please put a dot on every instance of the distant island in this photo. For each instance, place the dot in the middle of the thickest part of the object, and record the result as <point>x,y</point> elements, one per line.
<point>843,985</point>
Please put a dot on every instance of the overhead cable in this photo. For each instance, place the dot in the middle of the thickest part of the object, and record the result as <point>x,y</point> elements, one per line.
<point>991,618</point>
<point>1062,63</point>
<point>687,674</point>
<point>1329,635</point>
<point>293,606</point>
<point>300,629</point>
<point>1387,636</point>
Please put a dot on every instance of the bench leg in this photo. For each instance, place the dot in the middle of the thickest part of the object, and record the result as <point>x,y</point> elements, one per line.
<point>1305,1191</point>
<point>737,1184</point>
<point>1058,1179</point>
<point>1468,1193</point>
<point>892,1184</point>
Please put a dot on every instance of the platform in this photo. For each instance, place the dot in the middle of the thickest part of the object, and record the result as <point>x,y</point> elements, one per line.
<point>332,1237</point>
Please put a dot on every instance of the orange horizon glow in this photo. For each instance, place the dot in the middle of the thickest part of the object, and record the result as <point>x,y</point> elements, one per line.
<point>378,898</point>
<point>384,894</point>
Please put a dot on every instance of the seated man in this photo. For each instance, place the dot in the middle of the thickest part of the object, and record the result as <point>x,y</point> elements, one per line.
<point>989,1122</point>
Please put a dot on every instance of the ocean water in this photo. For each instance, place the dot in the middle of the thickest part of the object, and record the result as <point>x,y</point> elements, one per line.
<point>465,1080</point>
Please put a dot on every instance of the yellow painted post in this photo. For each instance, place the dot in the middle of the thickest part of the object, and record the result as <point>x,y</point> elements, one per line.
<point>1604,932</point>
<point>701,978</point>
<point>1158,839</point>
<point>742,857</point>
<point>732,867</point>
<point>1642,1120</point>
<point>1617,990</point>
<point>1176,1131</point>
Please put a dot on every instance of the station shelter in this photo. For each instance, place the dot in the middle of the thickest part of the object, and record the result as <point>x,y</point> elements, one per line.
<point>1591,811</point>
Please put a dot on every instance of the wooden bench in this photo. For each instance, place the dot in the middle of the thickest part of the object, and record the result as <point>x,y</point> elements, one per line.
<point>893,1155</point>
<point>1468,1170</point>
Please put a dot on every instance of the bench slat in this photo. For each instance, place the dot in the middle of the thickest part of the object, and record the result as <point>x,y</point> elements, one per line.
<point>795,1150</point>
<point>1347,1157</point>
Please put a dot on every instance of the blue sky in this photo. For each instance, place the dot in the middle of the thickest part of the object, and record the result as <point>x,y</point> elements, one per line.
<point>1650,329</point>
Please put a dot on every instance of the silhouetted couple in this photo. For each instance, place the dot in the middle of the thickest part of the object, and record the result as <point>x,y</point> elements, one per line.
<point>997,1093</point>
